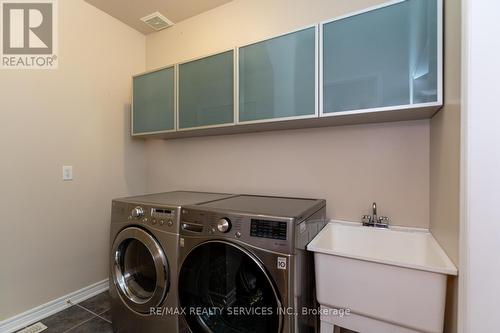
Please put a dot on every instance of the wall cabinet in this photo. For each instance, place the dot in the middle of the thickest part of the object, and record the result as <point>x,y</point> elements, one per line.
<point>381,64</point>
<point>206,91</point>
<point>386,57</point>
<point>153,106</point>
<point>277,77</point>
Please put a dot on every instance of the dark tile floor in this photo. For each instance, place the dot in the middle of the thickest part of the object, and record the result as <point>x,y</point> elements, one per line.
<point>89,316</point>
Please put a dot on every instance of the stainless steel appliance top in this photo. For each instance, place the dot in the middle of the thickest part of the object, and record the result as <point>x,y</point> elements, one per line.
<point>176,198</point>
<point>296,208</point>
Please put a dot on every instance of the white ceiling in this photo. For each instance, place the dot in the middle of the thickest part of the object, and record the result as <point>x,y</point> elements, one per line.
<point>130,11</point>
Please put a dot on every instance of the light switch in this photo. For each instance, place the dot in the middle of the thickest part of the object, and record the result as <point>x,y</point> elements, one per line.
<point>67,172</point>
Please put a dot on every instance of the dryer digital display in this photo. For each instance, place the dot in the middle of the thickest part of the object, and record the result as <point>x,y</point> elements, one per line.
<point>161,213</point>
<point>268,229</point>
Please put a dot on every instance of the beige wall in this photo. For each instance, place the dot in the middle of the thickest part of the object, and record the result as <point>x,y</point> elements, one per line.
<point>445,157</point>
<point>445,141</point>
<point>349,166</point>
<point>54,234</point>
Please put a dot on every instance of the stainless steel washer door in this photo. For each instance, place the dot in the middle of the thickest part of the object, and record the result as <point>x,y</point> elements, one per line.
<point>140,269</point>
<point>224,288</point>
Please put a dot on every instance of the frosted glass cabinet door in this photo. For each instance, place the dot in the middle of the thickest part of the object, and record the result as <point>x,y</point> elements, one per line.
<point>206,91</point>
<point>385,57</point>
<point>153,106</point>
<point>277,77</point>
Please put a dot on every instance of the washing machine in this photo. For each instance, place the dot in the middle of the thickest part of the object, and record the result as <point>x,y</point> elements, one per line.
<point>144,260</point>
<point>244,265</point>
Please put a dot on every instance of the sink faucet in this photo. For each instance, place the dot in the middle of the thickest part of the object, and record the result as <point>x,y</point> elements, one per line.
<point>374,211</point>
<point>374,220</point>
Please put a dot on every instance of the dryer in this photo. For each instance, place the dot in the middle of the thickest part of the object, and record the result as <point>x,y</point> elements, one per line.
<point>244,265</point>
<point>144,257</point>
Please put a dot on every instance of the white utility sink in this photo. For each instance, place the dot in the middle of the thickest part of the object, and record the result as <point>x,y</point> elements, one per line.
<point>391,280</point>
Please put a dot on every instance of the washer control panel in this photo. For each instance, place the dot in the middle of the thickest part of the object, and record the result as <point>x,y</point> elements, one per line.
<point>275,234</point>
<point>268,229</point>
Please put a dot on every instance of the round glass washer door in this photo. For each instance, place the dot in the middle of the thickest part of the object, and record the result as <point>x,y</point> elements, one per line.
<point>224,288</point>
<point>140,269</point>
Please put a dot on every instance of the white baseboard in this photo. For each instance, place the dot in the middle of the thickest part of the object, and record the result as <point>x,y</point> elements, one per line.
<point>36,314</point>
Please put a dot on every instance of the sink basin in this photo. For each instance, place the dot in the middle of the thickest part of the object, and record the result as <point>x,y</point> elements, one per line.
<point>391,280</point>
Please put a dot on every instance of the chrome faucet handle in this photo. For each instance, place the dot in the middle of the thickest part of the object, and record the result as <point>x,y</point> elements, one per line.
<point>366,219</point>
<point>383,222</point>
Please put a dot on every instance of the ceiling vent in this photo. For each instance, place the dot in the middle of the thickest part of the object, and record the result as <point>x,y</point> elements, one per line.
<point>157,21</point>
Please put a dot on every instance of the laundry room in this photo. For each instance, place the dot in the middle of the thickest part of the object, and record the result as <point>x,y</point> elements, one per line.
<point>220,166</point>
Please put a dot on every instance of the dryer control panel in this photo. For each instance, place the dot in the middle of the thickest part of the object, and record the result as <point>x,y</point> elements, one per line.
<point>165,218</point>
<point>162,213</point>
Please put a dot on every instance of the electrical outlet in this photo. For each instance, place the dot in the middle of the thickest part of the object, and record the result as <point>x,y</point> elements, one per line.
<point>67,172</point>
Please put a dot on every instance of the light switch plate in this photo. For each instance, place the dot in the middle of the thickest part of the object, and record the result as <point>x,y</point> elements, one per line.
<point>67,172</point>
